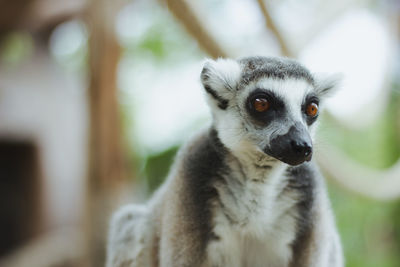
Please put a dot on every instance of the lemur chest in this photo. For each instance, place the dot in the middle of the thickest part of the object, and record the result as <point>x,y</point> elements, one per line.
<point>255,229</point>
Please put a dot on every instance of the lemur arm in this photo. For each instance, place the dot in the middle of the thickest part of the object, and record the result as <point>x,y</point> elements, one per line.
<point>129,237</point>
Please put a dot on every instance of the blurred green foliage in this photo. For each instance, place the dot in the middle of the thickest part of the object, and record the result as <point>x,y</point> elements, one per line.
<point>15,47</point>
<point>369,229</point>
<point>163,41</point>
<point>366,229</point>
<point>157,167</point>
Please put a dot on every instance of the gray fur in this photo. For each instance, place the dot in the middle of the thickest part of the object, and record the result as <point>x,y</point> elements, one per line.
<point>255,68</point>
<point>302,180</point>
<point>227,202</point>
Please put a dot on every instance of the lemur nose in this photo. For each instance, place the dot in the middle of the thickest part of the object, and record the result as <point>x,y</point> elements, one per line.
<point>294,147</point>
<point>301,148</point>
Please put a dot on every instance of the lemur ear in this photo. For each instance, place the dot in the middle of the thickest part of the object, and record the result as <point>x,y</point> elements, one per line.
<point>327,84</point>
<point>220,79</point>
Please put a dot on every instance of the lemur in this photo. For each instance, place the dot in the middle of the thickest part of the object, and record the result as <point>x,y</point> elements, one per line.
<point>244,192</point>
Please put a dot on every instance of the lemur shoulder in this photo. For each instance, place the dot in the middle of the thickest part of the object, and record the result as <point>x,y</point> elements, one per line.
<point>245,192</point>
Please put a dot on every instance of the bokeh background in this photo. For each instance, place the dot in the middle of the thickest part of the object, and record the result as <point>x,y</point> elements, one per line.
<point>96,97</point>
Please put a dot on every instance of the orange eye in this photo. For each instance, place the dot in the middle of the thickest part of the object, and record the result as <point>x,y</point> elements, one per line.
<point>312,110</point>
<point>261,104</point>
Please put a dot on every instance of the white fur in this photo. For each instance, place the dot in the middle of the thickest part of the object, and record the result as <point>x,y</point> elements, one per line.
<point>129,237</point>
<point>327,84</point>
<point>230,124</point>
<point>224,75</point>
<point>244,244</point>
<point>292,91</point>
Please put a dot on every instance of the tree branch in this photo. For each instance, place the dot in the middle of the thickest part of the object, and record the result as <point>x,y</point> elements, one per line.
<point>182,10</point>
<point>273,28</point>
<point>380,185</point>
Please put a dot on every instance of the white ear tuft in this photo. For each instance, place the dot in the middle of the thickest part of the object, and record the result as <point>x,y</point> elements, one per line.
<point>327,84</point>
<point>221,74</point>
<point>220,79</point>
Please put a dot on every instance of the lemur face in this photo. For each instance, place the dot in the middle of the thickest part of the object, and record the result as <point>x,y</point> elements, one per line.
<point>265,106</point>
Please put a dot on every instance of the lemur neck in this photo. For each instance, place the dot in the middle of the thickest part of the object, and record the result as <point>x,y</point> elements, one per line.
<point>249,188</point>
<point>247,164</point>
<point>256,166</point>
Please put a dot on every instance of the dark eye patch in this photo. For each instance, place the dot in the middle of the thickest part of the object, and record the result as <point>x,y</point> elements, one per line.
<point>275,110</point>
<point>311,98</point>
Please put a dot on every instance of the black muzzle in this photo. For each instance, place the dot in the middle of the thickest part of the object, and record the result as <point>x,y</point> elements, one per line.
<point>294,147</point>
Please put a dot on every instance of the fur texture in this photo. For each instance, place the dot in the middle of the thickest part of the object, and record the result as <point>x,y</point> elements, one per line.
<point>227,202</point>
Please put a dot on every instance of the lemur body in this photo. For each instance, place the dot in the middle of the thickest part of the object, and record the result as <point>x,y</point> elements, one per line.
<point>243,193</point>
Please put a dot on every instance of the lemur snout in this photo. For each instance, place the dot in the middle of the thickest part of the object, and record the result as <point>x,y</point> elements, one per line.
<point>294,147</point>
<point>301,148</point>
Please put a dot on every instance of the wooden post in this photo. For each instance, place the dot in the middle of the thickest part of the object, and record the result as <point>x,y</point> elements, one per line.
<point>107,166</point>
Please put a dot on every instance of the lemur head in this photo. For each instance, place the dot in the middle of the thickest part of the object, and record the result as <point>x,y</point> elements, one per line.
<point>265,106</point>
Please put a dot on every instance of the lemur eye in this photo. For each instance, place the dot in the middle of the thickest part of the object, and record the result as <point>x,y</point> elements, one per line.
<point>312,109</point>
<point>261,104</point>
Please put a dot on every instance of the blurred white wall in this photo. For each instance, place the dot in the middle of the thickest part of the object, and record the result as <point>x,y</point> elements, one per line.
<point>40,102</point>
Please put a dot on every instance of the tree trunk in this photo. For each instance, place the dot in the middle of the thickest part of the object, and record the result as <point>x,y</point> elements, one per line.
<point>107,168</point>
